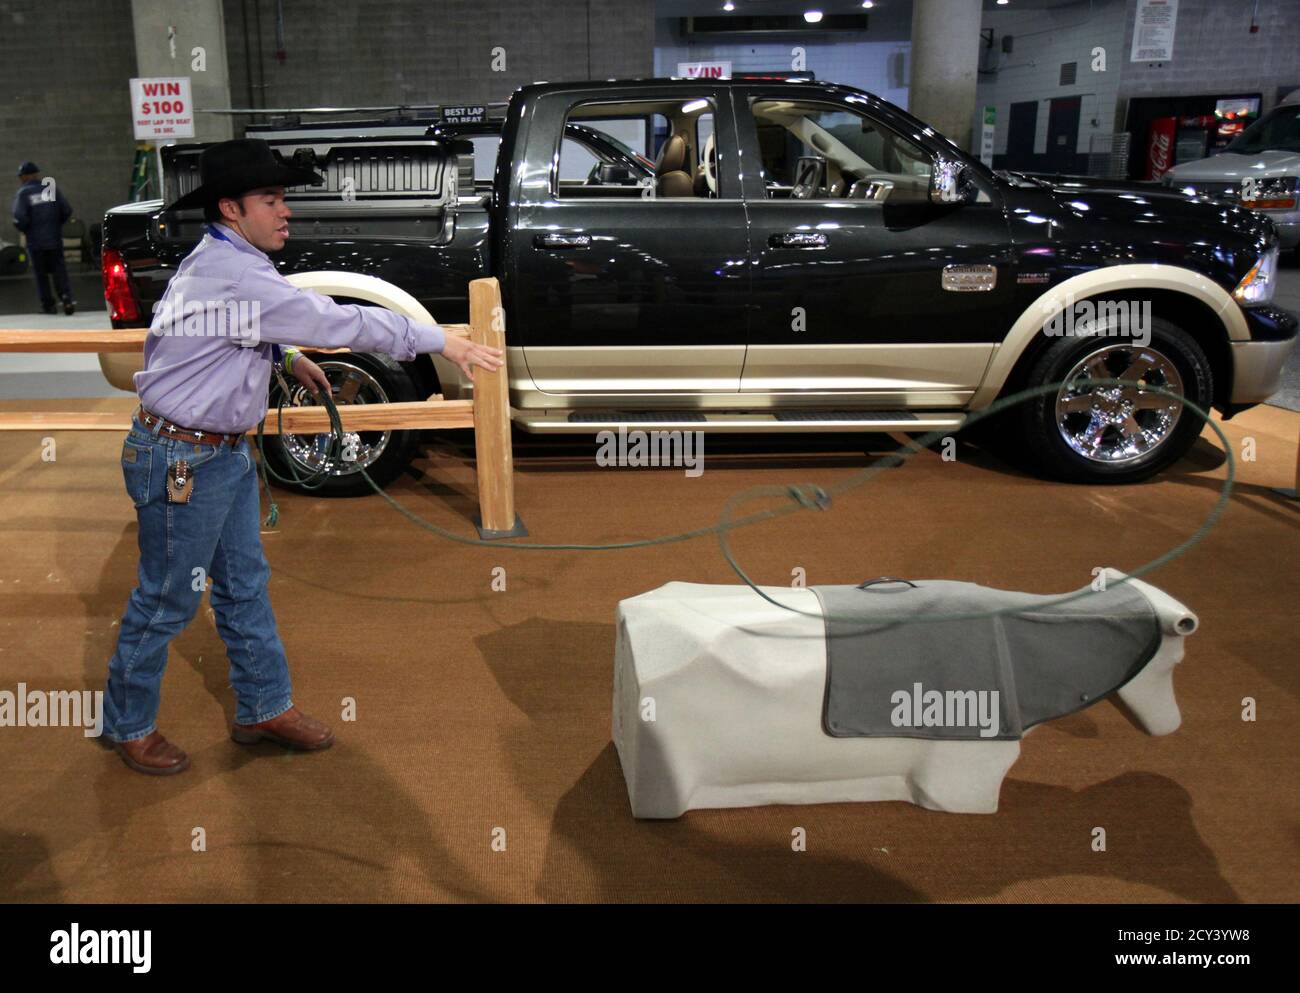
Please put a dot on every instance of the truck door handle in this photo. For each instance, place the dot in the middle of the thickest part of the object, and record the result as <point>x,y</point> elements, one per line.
<point>798,239</point>
<point>561,239</point>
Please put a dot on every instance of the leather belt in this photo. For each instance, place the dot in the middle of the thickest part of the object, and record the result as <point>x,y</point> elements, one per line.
<point>170,430</point>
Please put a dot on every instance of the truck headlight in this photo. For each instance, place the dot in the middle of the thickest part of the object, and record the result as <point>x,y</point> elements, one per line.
<point>1278,193</point>
<point>1257,285</point>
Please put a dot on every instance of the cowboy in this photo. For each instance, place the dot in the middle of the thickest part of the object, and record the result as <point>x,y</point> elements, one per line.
<point>40,211</point>
<point>186,460</point>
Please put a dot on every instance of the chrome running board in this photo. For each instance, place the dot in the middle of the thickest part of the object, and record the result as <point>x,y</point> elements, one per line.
<point>791,420</point>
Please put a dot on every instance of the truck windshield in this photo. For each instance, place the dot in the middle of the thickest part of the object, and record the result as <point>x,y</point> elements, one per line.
<point>1278,130</point>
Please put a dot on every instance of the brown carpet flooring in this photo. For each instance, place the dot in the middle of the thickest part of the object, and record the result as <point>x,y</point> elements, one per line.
<point>479,710</point>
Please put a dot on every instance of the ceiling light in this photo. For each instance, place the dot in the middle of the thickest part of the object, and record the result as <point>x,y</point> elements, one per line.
<point>812,16</point>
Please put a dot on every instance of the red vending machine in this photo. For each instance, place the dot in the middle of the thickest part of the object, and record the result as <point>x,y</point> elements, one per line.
<point>1160,146</point>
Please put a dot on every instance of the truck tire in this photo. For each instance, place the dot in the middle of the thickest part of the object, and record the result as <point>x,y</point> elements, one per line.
<point>357,378</point>
<point>1114,434</point>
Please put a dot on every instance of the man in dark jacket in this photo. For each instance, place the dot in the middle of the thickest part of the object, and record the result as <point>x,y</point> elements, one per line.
<point>40,211</point>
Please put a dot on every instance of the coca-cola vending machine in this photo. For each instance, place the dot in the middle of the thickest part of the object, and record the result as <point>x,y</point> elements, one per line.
<point>1193,137</point>
<point>1160,146</point>
<point>1168,131</point>
<point>1232,116</point>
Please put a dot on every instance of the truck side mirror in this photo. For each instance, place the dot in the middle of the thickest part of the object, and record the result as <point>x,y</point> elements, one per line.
<point>951,183</point>
<point>613,174</point>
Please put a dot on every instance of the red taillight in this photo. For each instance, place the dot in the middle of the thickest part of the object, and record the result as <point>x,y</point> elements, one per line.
<point>117,288</point>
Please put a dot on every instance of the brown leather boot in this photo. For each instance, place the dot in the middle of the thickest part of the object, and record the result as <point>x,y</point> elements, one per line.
<point>153,755</point>
<point>292,729</point>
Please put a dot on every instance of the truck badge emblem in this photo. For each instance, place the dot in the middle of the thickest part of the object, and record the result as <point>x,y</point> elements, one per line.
<point>969,278</point>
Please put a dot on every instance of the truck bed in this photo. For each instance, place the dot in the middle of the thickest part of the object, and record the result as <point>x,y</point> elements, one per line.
<point>390,207</point>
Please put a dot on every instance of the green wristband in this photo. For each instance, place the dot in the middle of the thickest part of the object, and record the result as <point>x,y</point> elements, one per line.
<point>288,360</point>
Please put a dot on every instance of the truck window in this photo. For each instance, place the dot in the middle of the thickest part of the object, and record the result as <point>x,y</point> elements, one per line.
<point>1278,130</point>
<point>826,152</point>
<point>704,148</point>
<point>576,163</point>
<point>485,156</point>
<point>624,155</point>
<point>600,159</point>
<point>629,133</point>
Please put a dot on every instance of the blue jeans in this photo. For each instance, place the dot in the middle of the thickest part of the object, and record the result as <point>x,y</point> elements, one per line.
<point>216,535</point>
<point>48,262</point>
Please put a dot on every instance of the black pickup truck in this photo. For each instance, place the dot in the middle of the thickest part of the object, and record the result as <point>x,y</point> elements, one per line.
<point>762,256</point>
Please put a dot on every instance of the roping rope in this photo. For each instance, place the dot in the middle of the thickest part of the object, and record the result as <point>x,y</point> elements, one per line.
<point>803,497</point>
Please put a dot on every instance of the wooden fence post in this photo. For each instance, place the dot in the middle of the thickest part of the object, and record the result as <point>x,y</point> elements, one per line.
<point>492,448</point>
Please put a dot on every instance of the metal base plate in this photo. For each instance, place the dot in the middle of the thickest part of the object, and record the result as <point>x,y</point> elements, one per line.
<point>518,531</point>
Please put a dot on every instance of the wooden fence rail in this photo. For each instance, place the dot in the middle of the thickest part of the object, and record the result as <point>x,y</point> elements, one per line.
<point>488,413</point>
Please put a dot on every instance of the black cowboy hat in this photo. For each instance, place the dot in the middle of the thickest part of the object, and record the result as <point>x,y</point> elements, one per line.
<point>232,168</point>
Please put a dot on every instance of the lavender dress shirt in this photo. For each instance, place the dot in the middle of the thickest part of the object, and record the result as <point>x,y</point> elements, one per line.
<point>208,358</point>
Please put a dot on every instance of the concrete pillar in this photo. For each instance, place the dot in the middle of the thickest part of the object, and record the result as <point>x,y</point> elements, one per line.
<point>945,63</point>
<point>197,24</point>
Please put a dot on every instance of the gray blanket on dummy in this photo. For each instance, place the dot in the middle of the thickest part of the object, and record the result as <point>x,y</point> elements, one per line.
<point>982,678</point>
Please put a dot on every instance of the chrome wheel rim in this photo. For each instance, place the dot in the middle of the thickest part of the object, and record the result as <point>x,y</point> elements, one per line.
<point>1114,424</point>
<point>348,385</point>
